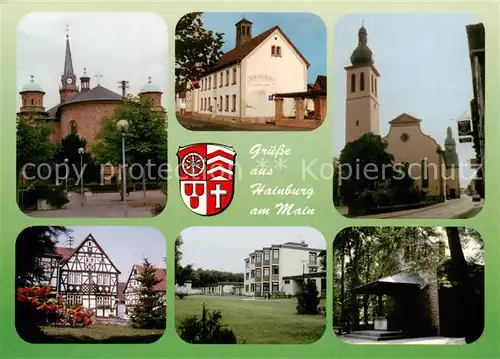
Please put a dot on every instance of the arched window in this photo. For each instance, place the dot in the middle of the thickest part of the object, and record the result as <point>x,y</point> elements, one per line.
<point>353,82</point>
<point>273,50</point>
<point>278,51</point>
<point>73,127</point>
<point>362,81</point>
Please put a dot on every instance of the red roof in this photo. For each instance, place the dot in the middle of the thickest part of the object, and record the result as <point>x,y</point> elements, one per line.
<point>161,275</point>
<point>238,53</point>
<point>64,252</point>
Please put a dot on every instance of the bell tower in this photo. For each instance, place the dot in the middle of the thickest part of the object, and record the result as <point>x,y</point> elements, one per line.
<point>362,106</point>
<point>68,88</point>
<point>243,31</point>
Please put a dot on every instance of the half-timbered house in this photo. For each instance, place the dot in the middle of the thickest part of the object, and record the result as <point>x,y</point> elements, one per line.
<point>84,275</point>
<point>132,286</point>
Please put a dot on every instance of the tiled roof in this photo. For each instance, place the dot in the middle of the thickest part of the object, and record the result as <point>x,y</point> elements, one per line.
<point>98,93</point>
<point>64,252</point>
<point>237,54</point>
<point>161,275</point>
<point>121,291</point>
<point>321,82</point>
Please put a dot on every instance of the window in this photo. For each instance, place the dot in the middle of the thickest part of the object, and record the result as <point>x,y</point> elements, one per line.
<point>100,301</point>
<point>312,258</point>
<point>273,50</point>
<point>234,103</point>
<point>247,276</point>
<point>100,280</point>
<point>210,83</point>
<point>353,82</point>
<point>32,101</point>
<point>276,287</point>
<point>246,288</point>
<point>78,299</point>
<point>259,257</point>
<point>276,270</point>
<point>265,287</point>
<point>286,282</point>
<point>209,104</point>
<point>234,75</point>
<point>372,88</point>
<point>362,81</point>
<point>276,253</point>
<point>201,104</point>
<point>247,264</point>
<point>252,287</point>
<point>221,79</point>
<point>215,80</point>
<point>227,103</point>
<point>357,123</point>
<point>252,259</point>
<point>89,263</point>
<point>107,301</point>
<point>266,271</point>
<point>205,104</point>
<point>266,255</point>
<point>375,87</point>
<point>258,273</point>
<point>313,270</point>
<point>252,274</point>
<point>258,287</point>
<point>227,77</point>
<point>74,278</point>
<point>106,279</point>
<point>220,103</point>
<point>73,128</point>
<point>70,299</point>
<point>278,51</point>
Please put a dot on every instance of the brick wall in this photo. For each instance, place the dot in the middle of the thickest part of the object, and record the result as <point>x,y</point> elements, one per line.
<point>88,117</point>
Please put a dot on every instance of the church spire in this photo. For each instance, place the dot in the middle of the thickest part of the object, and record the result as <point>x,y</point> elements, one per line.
<point>68,87</point>
<point>68,77</point>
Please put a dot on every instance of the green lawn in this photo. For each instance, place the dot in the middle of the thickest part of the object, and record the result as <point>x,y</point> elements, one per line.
<point>102,333</point>
<point>258,321</point>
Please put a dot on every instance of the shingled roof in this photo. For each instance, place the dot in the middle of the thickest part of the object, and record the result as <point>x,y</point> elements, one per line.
<point>98,93</point>
<point>238,53</point>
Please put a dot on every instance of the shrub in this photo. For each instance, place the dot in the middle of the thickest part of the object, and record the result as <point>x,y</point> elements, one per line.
<point>308,299</point>
<point>55,195</point>
<point>206,330</point>
<point>157,209</point>
<point>181,295</point>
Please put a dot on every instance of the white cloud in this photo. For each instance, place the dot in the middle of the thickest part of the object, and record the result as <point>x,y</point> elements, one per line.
<point>119,46</point>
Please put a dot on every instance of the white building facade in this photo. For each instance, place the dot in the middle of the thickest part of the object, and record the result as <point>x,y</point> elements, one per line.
<point>84,276</point>
<point>280,269</point>
<point>242,83</point>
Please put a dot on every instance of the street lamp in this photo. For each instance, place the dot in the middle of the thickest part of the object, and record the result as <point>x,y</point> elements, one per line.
<point>66,161</point>
<point>123,127</point>
<point>81,151</point>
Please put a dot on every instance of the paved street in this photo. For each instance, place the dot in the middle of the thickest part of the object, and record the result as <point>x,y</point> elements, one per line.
<point>105,205</point>
<point>197,123</point>
<point>413,341</point>
<point>457,208</point>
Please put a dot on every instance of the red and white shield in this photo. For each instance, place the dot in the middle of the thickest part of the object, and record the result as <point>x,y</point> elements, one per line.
<point>206,174</point>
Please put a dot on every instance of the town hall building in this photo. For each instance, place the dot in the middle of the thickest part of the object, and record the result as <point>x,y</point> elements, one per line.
<point>242,84</point>
<point>82,106</point>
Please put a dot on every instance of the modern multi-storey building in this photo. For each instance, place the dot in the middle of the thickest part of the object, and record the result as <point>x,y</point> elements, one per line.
<point>282,268</point>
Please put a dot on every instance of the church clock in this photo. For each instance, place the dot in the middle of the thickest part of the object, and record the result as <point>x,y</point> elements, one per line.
<point>69,80</point>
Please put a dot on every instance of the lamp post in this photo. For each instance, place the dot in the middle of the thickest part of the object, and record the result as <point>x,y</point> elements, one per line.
<point>66,161</point>
<point>81,151</point>
<point>123,127</point>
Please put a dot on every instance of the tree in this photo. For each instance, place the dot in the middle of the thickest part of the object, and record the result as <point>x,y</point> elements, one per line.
<point>150,311</point>
<point>364,164</point>
<point>68,150</point>
<point>308,298</point>
<point>207,329</point>
<point>31,244</point>
<point>322,260</point>
<point>32,144</point>
<point>145,140</point>
<point>196,50</point>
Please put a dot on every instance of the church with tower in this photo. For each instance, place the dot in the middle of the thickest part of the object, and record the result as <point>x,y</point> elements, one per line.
<point>436,171</point>
<point>82,106</point>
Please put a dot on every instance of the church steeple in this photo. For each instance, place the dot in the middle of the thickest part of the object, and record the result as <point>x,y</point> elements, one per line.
<point>68,87</point>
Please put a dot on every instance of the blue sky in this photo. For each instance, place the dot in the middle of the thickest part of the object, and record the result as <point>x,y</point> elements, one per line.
<point>125,246</point>
<point>424,66</point>
<point>225,248</point>
<point>306,31</point>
